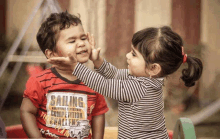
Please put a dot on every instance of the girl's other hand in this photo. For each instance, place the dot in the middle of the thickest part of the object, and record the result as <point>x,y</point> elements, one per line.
<point>64,63</point>
<point>95,52</point>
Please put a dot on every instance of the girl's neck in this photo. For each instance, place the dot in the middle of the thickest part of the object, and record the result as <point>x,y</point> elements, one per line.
<point>66,74</point>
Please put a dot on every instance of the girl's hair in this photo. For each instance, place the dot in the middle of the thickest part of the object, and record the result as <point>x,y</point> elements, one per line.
<point>49,31</point>
<point>164,46</point>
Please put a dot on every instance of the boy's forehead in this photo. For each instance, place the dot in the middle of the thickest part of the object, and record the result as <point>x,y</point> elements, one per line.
<point>72,31</point>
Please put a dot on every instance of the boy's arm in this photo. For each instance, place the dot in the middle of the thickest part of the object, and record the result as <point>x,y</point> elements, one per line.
<point>3,134</point>
<point>28,112</point>
<point>98,126</point>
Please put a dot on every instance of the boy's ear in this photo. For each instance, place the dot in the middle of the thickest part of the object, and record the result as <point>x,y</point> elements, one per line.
<point>155,69</point>
<point>49,53</point>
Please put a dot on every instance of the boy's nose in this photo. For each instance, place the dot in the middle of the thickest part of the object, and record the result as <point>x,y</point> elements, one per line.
<point>81,44</point>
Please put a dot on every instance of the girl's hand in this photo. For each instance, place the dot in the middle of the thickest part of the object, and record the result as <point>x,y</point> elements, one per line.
<point>95,52</point>
<point>64,63</point>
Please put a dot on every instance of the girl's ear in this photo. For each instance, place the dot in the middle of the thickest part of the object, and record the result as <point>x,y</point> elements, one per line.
<point>49,53</point>
<point>155,69</point>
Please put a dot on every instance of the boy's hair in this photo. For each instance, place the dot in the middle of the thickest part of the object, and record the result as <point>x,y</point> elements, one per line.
<point>49,31</point>
<point>163,46</point>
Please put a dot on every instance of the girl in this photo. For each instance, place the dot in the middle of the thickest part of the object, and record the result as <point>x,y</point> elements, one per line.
<point>155,53</point>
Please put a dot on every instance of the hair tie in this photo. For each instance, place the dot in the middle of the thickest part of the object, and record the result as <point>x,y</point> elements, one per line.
<point>184,55</point>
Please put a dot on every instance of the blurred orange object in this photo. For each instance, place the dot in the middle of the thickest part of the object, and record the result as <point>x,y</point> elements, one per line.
<point>15,131</point>
<point>170,134</point>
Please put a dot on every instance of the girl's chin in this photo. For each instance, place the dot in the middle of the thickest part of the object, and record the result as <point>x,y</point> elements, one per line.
<point>129,72</point>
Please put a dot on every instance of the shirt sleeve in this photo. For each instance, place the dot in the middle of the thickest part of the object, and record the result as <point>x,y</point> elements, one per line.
<point>100,106</point>
<point>34,91</point>
<point>109,71</point>
<point>128,90</point>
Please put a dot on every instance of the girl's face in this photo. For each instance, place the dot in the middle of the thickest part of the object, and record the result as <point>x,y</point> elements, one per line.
<point>136,63</point>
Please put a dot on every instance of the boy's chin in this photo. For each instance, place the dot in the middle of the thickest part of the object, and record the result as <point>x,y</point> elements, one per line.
<point>83,60</point>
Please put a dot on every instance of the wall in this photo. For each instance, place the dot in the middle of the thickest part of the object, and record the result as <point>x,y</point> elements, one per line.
<point>210,32</point>
<point>17,14</point>
<point>152,13</point>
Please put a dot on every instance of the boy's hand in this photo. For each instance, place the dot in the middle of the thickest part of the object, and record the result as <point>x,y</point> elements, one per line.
<point>95,52</point>
<point>64,63</point>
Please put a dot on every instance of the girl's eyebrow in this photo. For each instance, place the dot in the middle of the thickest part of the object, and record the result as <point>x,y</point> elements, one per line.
<point>133,50</point>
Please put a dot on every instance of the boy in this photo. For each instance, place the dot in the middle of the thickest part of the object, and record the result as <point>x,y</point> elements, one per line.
<point>56,103</point>
<point>3,133</point>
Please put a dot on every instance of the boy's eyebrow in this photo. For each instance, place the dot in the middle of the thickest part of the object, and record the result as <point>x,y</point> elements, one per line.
<point>74,37</point>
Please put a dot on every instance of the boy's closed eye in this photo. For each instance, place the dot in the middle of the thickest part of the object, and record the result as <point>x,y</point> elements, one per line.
<point>72,41</point>
<point>84,38</point>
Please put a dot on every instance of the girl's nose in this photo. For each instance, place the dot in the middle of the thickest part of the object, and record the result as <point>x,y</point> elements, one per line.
<point>127,55</point>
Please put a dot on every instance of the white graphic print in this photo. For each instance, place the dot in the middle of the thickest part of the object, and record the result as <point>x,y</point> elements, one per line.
<point>68,111</point>
<point>80,130</point>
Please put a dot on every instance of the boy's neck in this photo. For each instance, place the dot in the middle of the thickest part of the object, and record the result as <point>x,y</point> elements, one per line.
<point>67,74</point>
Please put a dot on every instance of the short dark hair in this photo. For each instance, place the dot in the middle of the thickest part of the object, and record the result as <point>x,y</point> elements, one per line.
<point>49,31</point>
<point>164,46</point>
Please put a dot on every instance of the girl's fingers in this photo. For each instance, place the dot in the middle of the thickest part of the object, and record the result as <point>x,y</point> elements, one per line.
<point>87,34</point>
<point>72,57</point>
<point>98,51</point>
<point>92,41</point>
<point>57,59</point>
<point>89,37</point>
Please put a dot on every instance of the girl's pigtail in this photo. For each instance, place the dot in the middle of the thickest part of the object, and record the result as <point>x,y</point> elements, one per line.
<point>193,72</point>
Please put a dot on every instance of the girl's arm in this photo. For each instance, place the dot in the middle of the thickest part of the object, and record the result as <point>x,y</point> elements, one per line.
<point>129,90</point>
<point>104,68</point>
<point>109,71</point>
<point>28,112</point>
<point>98,126</point>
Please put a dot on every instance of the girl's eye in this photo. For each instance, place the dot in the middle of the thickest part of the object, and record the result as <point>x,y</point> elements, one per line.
<point>133,54</point>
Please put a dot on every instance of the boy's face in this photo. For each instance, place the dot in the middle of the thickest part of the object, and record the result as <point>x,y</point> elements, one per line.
<point>73,39</point>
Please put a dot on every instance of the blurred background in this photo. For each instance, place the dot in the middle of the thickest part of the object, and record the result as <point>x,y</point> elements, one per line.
<point>113,23</point>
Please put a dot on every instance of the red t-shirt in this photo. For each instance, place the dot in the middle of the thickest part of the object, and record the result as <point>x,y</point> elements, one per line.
<point>65,108</point>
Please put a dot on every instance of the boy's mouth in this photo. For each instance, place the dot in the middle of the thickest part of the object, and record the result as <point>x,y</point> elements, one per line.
<point>82,52</point>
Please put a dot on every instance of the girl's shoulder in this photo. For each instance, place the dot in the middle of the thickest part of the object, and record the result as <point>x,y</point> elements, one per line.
<point>155,83</point>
